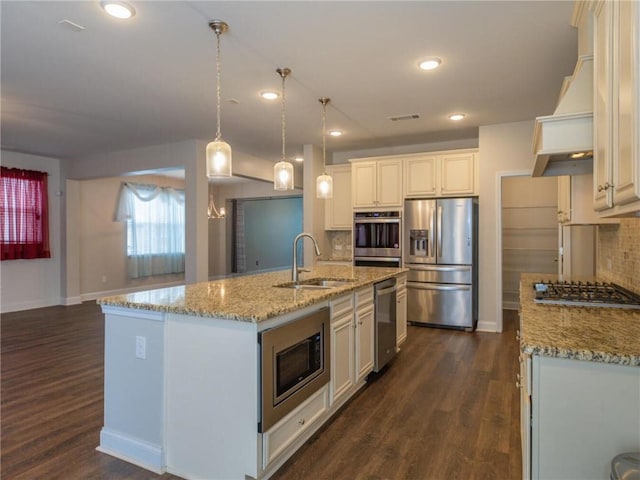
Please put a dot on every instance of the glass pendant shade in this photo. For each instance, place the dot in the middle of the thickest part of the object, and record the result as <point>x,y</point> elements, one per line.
<point>283,176</point>
<point>218,159</point>
<point>324,186</point>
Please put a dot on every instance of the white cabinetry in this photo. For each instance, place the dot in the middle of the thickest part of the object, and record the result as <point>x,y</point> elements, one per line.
<point>616,107</point>
<point>401,309</point>
<point>376,183</point>
<point>582,415</point>
<point>342,348</point>
<point>337,210</point>
<point>284,433</point>
<point>441,174</point>
<point>575,204</point>
<point>364,328</point>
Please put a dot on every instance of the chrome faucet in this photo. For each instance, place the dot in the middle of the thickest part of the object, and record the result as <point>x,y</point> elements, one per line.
<point>295,271</point>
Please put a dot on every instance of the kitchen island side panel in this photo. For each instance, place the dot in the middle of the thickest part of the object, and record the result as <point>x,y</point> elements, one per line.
<point>212,398</point>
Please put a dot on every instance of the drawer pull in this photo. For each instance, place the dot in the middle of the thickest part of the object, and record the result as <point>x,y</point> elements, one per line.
<point>301,421</point>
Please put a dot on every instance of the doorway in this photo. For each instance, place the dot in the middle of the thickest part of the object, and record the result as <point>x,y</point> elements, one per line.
<point>529,232</point>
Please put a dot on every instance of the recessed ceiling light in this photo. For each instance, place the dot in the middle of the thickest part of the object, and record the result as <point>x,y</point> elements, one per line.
<point>269,95</point>
<point>430,63</point>
<point>299,158</point>
<point>118,9</point>
<point>456,117</point>
<point>335,133</point>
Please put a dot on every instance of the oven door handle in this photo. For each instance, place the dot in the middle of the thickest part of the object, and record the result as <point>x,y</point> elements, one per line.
<point>437,286</point>
<point>377,220</point>
<point>381,259</point>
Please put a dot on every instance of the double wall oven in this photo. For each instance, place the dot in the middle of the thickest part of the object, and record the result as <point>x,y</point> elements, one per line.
<point>295,363</point>
<point>377,239</point>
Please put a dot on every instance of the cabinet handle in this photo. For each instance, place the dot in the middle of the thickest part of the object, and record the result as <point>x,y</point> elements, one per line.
<point>606,186</point>
<point>301,421</point>
<point>518,385</point>
<point>518,334</point>
<point>359,322</point>
<point>600,188</point>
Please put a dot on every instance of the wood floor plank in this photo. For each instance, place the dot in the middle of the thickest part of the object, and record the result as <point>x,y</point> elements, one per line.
<point>445,408</point>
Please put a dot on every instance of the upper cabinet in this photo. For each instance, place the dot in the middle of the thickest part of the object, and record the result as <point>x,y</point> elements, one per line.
<point>616,31</point>
<point>575,205</point>
<point>441,174</point>
<point>376,183</point>
<point>337,210</point>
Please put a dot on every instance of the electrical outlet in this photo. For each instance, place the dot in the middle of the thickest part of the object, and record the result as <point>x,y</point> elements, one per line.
<point>104,279</point>
<point>141,347</point>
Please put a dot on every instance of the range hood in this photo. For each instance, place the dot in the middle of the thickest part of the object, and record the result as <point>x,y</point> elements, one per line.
<point>563,142</point>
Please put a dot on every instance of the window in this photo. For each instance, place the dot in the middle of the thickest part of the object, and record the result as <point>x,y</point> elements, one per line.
<point>155,221</point>
<point>24,217</point>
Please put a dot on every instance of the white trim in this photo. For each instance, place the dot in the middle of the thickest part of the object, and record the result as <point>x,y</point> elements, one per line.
<point>19,306</point>
<point>132,450</point>
<point>66,301</point>
<point>133,313</point>
<point>498,187</point>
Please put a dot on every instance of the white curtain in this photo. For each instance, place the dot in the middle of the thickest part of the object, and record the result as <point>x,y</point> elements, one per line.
<point>155,219</point>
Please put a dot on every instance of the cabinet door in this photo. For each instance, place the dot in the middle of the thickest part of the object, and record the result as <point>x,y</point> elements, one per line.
<point>338,214</point>
<point>602,103</point>
<point>364,341</point>
<point>626,158</point>
<point>401,316</point>
<point>342,345</point>
<point>525,415</point>
<point>389,183</point>
<point>458,174</point>
<point>564,199</point>
<point>363,184</point>
<point>420,177</point>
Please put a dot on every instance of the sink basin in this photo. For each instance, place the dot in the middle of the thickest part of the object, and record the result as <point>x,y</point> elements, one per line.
<point>316,284</point>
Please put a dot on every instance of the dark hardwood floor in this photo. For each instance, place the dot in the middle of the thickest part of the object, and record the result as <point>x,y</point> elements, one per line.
<point>446,408</point>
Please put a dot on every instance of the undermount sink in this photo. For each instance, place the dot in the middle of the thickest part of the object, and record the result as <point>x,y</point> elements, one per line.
<point>316,284</point>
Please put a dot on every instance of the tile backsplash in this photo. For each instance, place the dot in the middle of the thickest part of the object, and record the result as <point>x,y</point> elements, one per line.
<point>340,242</point>
<point>619,253</point>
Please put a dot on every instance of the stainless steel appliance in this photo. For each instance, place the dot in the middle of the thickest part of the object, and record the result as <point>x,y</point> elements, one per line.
<point>385,326</point>
<point>377,239</point>
<point>585,294</point>
<point>442,256</point>
<point>295,363</point>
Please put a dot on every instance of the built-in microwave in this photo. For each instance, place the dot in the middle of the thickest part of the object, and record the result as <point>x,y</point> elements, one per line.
<point>295,363</point>
<point>377,238</point>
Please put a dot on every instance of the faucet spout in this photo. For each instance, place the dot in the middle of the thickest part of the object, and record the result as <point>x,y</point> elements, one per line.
<point>294,268</point>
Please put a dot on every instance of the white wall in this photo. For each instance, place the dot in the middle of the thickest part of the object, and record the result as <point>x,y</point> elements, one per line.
<point>35,283</point>
<point>504,149</point>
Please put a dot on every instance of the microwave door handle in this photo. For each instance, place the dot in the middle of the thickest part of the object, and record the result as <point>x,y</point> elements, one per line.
<point>439,232</point>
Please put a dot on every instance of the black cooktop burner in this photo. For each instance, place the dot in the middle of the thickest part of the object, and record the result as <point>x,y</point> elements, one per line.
<point>591,294</point>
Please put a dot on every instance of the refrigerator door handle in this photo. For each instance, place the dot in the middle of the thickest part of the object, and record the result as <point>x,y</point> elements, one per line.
<point>437,286</point>
<point>439,232</point>
<point>438,268</point>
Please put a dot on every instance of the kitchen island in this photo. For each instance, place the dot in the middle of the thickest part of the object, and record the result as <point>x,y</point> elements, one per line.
<point>182,369</point>
<point>580,386</point>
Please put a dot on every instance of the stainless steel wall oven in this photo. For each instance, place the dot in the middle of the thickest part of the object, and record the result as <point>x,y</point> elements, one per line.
<point>377,239</point>
<point>295,363</point>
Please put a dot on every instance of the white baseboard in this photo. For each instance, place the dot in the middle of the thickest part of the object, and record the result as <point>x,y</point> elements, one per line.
<point>487,327</point>
<point>29,305</point>
<point>132,450</point>
<point>66,301</point>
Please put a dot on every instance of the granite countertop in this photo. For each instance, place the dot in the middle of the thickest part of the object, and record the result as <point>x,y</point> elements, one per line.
<point>597,334</point>
<point>250,298</point>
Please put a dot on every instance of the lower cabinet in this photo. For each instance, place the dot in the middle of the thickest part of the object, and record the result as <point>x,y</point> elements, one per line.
<point>342,348</point>
<point>365,333</point>
<point>582,414</point>
<point>283,434</point>
<point>401,310</point>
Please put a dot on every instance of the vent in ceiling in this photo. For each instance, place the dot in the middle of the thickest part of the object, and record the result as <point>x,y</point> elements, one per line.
<point>411,116</point>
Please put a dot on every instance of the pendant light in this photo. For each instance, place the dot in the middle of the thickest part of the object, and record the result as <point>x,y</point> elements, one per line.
<point>212,211</point>
<point>218,151</point>
<point>324,183</point>
<point>283,170</point>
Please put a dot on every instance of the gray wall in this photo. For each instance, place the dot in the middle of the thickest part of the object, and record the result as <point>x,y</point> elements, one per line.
<point>270,227</point>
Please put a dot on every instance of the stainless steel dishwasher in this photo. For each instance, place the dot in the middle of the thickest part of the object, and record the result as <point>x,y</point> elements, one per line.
<point>385,314</point>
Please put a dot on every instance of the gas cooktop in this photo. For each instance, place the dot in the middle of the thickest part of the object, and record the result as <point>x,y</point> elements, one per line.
<point>585,294</point>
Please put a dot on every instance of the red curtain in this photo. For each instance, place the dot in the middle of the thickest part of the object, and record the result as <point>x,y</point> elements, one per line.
<point>24,214</point>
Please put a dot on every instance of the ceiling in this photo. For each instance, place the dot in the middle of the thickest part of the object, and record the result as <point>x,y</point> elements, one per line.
<point>118,84</point>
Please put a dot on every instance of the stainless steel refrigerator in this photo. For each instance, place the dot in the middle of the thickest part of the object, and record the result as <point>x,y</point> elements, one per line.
<point>441,253</point>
